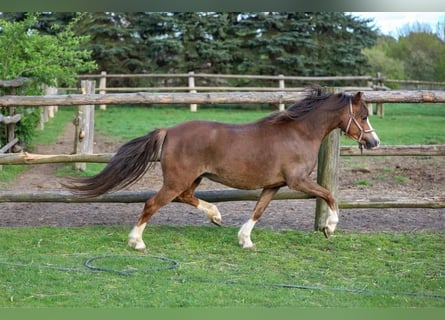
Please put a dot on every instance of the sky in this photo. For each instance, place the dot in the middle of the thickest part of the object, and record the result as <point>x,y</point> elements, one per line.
<point>389,23</point>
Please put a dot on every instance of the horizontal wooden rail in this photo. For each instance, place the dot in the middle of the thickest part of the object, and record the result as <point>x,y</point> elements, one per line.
<point>228,76</point>
<point>415,82</point>
<point>32,158</point>
<point>199,88</point>
<point>142,196</point>
<point>213,196</point>
<point>415,96</point>
<point>397,150</point>
<point>10,119</point>
<point>399,203</point>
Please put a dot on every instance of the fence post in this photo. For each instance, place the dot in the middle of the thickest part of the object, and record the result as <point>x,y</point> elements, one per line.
<point>83,141</point>
<point>193,106</point>
<point>380,110</point>
<point>281,86</point>
<point>10,128</point>
<point>47,112</point>
<point>103,87</point>
<point>328,163</point>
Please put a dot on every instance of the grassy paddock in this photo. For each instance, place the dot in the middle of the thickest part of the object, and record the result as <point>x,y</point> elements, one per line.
<point>43,266</point>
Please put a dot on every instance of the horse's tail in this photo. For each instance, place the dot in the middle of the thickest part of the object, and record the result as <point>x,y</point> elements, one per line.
<point>127,166</point>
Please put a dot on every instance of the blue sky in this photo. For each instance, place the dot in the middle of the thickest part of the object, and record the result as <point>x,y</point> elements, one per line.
<point>390,22</point>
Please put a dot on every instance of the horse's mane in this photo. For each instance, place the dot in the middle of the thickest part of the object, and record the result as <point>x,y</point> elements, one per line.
<point>315,97</point>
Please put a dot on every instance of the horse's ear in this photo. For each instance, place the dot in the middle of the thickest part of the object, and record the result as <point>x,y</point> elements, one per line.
<point>358,96</point>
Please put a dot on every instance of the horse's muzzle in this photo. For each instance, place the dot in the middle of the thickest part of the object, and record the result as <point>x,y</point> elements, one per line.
<point>371,143</point>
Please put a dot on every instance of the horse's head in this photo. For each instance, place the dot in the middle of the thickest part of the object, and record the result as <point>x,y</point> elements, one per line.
<point>356,125</point>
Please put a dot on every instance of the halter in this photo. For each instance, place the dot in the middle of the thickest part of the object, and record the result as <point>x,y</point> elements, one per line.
<point>352,119</point>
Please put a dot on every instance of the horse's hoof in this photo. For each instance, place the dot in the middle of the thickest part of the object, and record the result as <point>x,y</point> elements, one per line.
<point>327,232</point>
<point>137,245</point>
<point>216,221</point>
<point>141,250</point>
<point>247,246</point>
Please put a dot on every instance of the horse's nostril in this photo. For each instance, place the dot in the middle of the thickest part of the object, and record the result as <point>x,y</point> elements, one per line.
<point>372,144</point>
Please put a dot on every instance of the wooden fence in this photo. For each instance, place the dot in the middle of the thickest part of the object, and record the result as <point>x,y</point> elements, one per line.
<point>419,96</point>
<point>191,79</point>
<point>189,83</point>
<point>194,82</point>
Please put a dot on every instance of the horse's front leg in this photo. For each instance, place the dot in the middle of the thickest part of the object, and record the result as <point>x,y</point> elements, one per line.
<point>309,186</point>
<point>245,231</point>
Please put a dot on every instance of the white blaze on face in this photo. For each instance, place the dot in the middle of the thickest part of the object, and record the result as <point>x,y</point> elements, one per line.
<point>374,135</point>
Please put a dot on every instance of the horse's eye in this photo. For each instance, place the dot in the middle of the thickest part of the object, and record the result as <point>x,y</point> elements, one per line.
<point>364,118</point>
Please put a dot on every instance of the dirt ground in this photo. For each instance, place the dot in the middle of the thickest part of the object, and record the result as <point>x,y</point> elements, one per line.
<point>360,178</point>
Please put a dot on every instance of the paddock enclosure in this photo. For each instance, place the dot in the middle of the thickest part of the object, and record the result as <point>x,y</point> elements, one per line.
<point>328,157</point>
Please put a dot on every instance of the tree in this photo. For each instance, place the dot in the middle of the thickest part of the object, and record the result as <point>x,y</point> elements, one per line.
<point>381,62</point>
<point>291,43</point>
<point>422,55</point>
<point>47,59</point>
<point>320,43</point>
<point>110,42</point>
<point>44,59</point>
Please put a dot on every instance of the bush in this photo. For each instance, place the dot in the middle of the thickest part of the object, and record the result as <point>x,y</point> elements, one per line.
<point>43,59</point>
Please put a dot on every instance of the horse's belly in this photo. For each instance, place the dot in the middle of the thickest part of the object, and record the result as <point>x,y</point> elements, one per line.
<point>245,182</point>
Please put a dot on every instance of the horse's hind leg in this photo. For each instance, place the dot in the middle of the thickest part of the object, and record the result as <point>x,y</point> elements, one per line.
<point>210,210</point>
<point>163,197</point>
<point>245,231</point>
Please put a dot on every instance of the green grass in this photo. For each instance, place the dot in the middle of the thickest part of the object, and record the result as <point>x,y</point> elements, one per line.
<point>53,129</point>
<point>9,173</point>
<point>91,169</point>
<point>42,267</point>
<point>363,182</point>
<point>125,123</point>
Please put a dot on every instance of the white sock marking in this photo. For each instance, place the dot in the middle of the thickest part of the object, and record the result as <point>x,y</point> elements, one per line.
<point>135,237</point>
<point>210,210</point>
<point>244,234</point>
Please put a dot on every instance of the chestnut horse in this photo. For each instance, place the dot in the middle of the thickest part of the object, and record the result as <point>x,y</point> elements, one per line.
<point>278,150</point>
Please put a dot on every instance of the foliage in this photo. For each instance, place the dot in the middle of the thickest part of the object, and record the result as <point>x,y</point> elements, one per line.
<point>290,43</point>
<point>43,58</point>
<point>267,43</point>
<point>417,55</point>
<point>380,62</point>
<point>47,59</point>
<point>423,56</point>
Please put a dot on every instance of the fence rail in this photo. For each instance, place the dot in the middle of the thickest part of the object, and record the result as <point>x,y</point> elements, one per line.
<point>214,196</point>
<point>399,96</point>
<point>32,158</point>
<point>372,82</point>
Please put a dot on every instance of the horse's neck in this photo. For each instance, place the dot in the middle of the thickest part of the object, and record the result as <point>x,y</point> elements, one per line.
<point>316,125</point>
